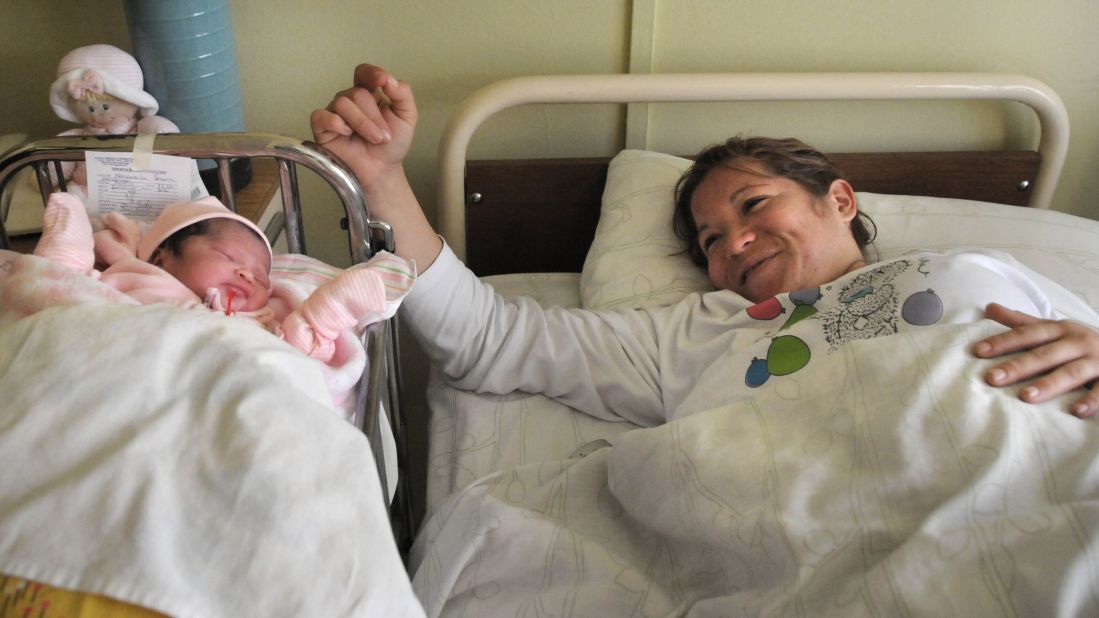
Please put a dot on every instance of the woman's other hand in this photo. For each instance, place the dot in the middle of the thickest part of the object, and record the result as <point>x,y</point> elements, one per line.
<point>1061,355</point>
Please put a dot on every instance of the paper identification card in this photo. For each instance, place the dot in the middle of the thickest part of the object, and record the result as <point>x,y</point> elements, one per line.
<point>115,185</point>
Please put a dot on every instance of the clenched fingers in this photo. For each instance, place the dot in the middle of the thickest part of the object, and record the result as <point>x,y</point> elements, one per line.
<point>361,110</point>
<point>327,126</point>
<point>370,76</point>
<point>380,82</point>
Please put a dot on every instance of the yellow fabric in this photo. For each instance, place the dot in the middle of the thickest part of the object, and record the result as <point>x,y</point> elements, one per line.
<point>22,598</point>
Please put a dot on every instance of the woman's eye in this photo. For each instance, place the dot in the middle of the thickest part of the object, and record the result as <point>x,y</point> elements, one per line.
<point>709,242</point>
<point>91,108</point>
<point>106,106</point>
<point>752,202</point>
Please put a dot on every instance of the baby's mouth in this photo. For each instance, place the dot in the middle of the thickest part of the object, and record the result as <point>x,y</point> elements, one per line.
<point>235,298</point>
<point>230,300</point>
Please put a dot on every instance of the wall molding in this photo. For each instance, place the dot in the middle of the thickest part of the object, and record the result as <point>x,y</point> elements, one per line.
<point>642,34</point>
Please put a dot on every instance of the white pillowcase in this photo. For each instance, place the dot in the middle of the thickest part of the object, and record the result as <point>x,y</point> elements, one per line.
<point>637,261</point>
<point>1063,247</point>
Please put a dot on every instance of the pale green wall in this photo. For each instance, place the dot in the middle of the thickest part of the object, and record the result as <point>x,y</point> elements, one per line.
<point>1056,42</point>
<point>295,59</point>
<point>294,55</point>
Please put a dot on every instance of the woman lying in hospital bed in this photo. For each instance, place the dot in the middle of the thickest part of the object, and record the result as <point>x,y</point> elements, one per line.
<point>778,469</point>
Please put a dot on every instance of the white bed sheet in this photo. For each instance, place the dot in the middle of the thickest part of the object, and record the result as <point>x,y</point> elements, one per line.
<point>865,489</point>
<point>472,435</point>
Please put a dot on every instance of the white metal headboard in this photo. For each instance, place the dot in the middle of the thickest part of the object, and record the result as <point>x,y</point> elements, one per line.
<point>700,87</point>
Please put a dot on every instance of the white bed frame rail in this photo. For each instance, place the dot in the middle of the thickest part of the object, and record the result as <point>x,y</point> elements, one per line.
<point>715,87</point>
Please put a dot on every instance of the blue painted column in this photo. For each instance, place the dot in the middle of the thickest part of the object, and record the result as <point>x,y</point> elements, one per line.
<point>187,51</point>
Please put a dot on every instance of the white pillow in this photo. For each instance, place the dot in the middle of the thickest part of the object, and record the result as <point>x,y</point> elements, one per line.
<point>636,260</point>
<point>1063,247</point>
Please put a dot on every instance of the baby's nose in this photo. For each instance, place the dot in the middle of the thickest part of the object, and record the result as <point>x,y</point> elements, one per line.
<point>245,274</point>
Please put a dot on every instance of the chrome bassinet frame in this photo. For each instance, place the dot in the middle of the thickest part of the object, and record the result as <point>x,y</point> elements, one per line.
<point>379,390</point>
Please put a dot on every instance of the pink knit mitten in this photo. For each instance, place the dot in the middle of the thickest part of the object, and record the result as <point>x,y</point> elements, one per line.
<point>66,233</point>
<point>335,306</point>
<point>118,240</point>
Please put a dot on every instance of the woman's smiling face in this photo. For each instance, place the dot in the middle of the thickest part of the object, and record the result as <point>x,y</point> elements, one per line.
<point>764,235</point>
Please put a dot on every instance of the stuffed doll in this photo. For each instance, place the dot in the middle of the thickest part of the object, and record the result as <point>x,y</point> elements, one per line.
<point>101,88</point>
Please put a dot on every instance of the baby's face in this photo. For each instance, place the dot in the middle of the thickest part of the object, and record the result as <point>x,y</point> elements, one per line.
<point>230,258</point>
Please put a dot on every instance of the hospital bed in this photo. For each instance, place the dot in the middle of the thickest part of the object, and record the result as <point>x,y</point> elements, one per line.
<point>187,466</point>
<point>528,512</point>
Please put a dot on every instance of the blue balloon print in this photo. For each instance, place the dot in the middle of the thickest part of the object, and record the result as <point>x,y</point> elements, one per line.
<point>857,294</point>
<point>757,373</point>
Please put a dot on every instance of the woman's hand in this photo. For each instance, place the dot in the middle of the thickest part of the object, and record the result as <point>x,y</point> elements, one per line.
<point>370,125</point>
<point>1063,352</point>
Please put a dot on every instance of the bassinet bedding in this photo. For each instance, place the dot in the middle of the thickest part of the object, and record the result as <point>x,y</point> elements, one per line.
<point>207,475</point>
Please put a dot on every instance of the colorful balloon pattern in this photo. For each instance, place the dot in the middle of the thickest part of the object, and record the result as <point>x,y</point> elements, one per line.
<point>787,354</point>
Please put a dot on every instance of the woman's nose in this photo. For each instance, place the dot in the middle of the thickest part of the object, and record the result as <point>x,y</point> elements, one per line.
<point>740,240</point>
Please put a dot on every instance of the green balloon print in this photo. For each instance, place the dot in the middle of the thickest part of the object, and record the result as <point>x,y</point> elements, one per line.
<point>800,313</point>
<point>786,355</point>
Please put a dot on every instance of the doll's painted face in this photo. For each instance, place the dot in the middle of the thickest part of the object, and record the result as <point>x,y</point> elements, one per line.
<point>105,112</point>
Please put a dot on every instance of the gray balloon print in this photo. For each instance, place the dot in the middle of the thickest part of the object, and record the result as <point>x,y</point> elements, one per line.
<point>922,308</point>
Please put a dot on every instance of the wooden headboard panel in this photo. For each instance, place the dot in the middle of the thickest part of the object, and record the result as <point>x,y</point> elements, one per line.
<point>533,215</point>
